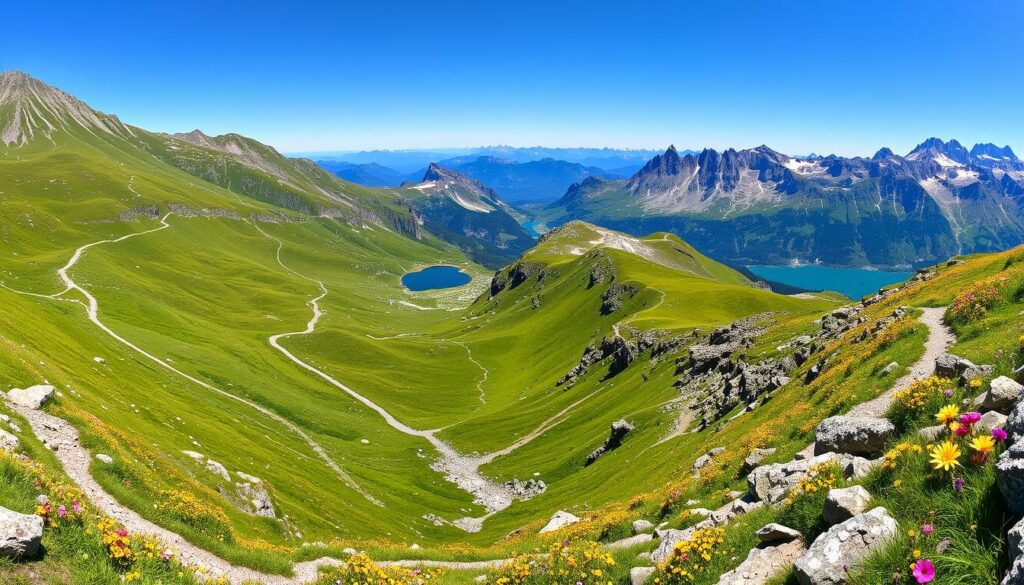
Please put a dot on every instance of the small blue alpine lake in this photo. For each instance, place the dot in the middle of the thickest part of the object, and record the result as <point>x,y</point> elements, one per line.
<point>434,277</point>
<point>852,282</point>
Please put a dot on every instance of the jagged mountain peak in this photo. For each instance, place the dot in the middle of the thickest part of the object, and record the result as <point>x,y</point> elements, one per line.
<point>990,151</point>
<point>33,108</point>
<point>937,148</point>
<point>883,153</point>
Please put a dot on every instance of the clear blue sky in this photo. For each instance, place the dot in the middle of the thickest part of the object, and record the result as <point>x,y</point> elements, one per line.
<point>843,77</point>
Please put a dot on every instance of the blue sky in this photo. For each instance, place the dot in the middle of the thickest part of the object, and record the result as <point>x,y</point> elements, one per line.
<point>798,76</point>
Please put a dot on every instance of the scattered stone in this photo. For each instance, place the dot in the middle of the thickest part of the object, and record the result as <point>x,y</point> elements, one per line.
<point>844,547</point>
<point>414,546</point>
<point>8,442</point>
<point>105,458</point>
<point>619,430</point>
<point>524,490</point>
<point>642,526</point>
<point>640,575</point>
<point>705,459</point>
<point>763,563</point>
<point>843,504</point>
<point>194,455</point>
<point>364,441</point>
<point>33,397</point>
<point>892,367</point>
<point>1010,476</point>
<point>1002,394</point>
<point>772,482</point>
<point>777,533</point>
<point>350,551</point>
<point>255,495</point>
<point>20,534</point>
<point>856,435</point>
<point>700,512</point>
<point>559,520</point>
<point>668,544</point>
<point>217,469</point>
<point>42,500</point>
<point>931,433</point>
<point>755,457</point>
<point>99,360</point>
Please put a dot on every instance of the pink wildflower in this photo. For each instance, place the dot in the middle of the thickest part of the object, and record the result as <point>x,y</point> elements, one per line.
<point>999,434</point>
<point>62,511</point>
<point>76,508</point>
<point>924,571</point>
<point>970,418</point>
<point>927,529</point>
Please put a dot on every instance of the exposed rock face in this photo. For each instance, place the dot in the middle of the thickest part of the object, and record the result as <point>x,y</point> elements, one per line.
<point>755,457</point>
<point>1010,476</point>
<point>706,459</point>
<point>615,296</point>
<point>843,504</point>
<point>559,520</point>
<point>1015,550</point>
<point>858,435</point>
<point>1015,422</point>
<point>31,397</point>
<point>845,546</point>
<point>953,366</point>
<point>763,563</point>
<point>255,496</point>
<point>1002,394</point>
<point>217,469</point>
<point>620,429</point>
<point>20,534</point>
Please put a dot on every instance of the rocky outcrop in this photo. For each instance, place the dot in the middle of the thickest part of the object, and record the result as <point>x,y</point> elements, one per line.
<point>615,296</point>
<point>524,490</point>
<point>253,493</point>
<point>32,397</point>
<point>763,563</point>
<point>642,526</point>
<point>855,435</point>
<point>771,483</point>
<point>1010,476</point>
<point>706,459</point>
<point>844,547</point>
<point>20,534</point>
<point>845,503</point>
<point>953,366</point>
<point>755,457</point>
<point>559,520</point>
<point>619,430</point>
<point>8,442</point>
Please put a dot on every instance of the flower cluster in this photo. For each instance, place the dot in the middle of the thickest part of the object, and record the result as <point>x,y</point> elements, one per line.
<point>583,563</point>
<point>963,436</point>
<point>921,569</point>
<point>820,477</point>
<point>894,454</point>
<point>359,569</point>
<point>117,541</point>
<point>976,301</point>
<point>690,557</point>
<point>915,396</point>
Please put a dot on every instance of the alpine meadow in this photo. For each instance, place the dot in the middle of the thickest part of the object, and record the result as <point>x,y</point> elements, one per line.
<point>228,362</point>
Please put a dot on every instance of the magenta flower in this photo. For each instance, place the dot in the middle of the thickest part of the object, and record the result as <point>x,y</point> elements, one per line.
<point>62,511</point>
<point>122,532</point>
<point>167,554</point>
<point>958,484</point>
<point>927,529</point>
<point>962,430</point>
<point>948,392</point>
<point>76,508</point>
<point>999,434</point>
<point>924,571</point>
<point>970,418</point>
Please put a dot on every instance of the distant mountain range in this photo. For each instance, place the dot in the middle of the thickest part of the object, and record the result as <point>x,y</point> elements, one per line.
<point>761,206</point>
<point>536,181</point>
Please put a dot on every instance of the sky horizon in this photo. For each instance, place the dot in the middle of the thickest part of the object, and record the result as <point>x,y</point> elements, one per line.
<point>321,77</point>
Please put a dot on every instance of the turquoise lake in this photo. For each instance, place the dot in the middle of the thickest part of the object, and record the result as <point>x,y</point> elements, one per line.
<point>435,277</point>
<point>852,282</point>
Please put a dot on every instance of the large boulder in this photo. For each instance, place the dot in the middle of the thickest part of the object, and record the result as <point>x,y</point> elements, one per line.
<point>844,547</point>
<point>20,534</point>
<point>1001,395</point>
<point>1015,549</point>
<point>640,575</point>
<point>559,520</point>
<point>856,435</point>
<point>755,457</point>
<point>763,563</point>
<point>668,543</point>
<point>991,420</point>
<point>1015,422</point>
<point>845,503</point>
<point>32,397</point>
<point>1010,476</point>
<point>952,366</point>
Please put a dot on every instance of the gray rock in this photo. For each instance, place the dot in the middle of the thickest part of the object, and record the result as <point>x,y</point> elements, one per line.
<point>105,458</point>
<point>524,490</point>
<point>642,526</point>
<point>640,575</point>
<point>946,366</point>
<point>668,544</point>
<point>845,503</point>
<point>1010,476</point>
<point>217,469</point>
<point>845,546</point>
<point>705,459</point>
<point>763,563</point>
<point>256,499</point>
<point>755,457</point>
<point>991,420</point>
<point>619,430</point>
<point>975,372</point>
<point>931,433</point>
<point>892,367</point>
<point>1015,542</point>
<point>20,534</point>
<point>194,455</point>
<point>559,520</point>
<point>8,442</point>
<point>1002,394</point>
<point>777,533</point>
<point>772,482</point>
<point>857,435</point>
<point>32,397</point>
